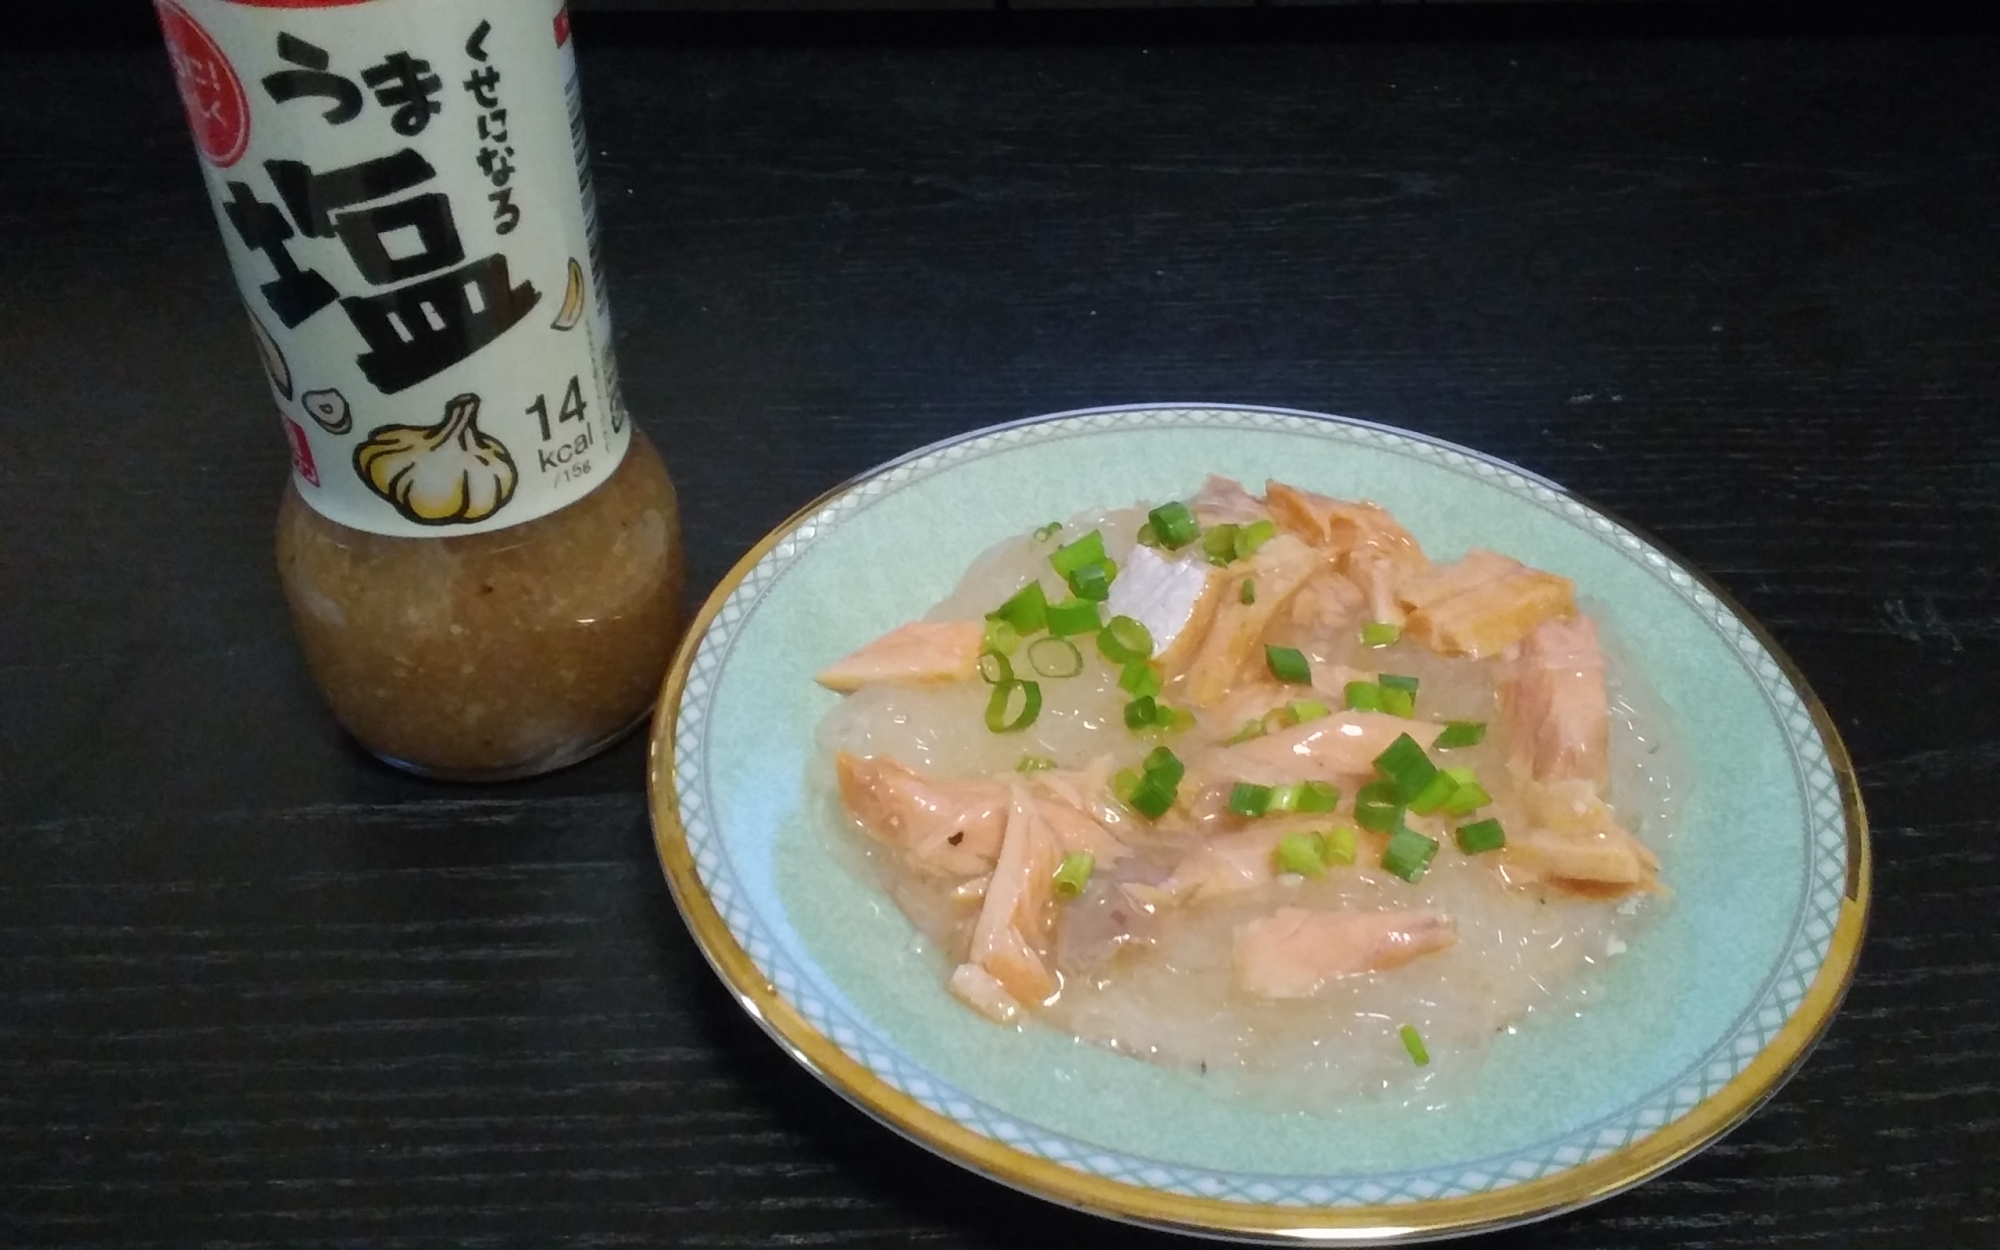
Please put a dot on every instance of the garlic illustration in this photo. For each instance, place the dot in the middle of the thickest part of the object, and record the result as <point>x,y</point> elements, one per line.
<point>572,305</point>
<point>444,474</point>
<point>329,408</point>
<point>275,367</point>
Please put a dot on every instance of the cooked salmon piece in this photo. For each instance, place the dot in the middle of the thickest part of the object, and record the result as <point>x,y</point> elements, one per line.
<point>1223,501</point>
<point>1293,952</point>
<point>1235,862</point>
<point>1343,530</point>
<point>1339,748</point>
<point>1279,568</point>
<point>1013,925</point>
<point>1567,837</point>
<point>976,988</point>
<point>1553,703</point>
<point>949,827</point>
<point>1482,604</point>
<point>1328,603</point>
<point>913,654</point>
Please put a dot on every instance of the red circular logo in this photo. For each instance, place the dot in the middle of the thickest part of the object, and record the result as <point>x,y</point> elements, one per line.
<point>218,112</point>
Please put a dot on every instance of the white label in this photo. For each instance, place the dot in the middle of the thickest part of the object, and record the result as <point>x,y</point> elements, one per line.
<point>403,189</point>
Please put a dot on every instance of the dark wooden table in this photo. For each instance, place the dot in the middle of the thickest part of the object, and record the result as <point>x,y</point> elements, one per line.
<point>257,990</point>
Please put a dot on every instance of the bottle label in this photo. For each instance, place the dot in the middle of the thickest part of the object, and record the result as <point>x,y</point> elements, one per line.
<point>403,188</point>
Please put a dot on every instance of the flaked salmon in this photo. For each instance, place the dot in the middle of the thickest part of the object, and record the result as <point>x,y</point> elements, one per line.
<point>1293,952</point>
<point>1553,698</point>
<point>919,652</point>
<point>1482,604</point>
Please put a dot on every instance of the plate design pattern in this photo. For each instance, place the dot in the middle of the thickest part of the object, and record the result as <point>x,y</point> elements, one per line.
<point>1813,925</point>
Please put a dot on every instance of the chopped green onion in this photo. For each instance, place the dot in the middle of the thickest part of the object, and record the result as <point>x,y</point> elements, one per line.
<point>1468,797</point>
<point>1433,796</point>
<point>1481,835</point>
<point>1054,657</point>
<point>1380,633</point>
<point>1147,537</point>
<point>1084,551</point>
<point>1288,664</point>
<point>1397,701</point>
<point>1074,873</point>
<point>1396,681</point>
<point>1252,536</point>
<point>1141,713</point>
<point>1413,1042</point>
<point>1246,799</point>
<point>995,668</point>
<point>1162,762</point>
<point>1003,697</point>
<point>1175,719</point>
<point>1302,853</point>
<point>1123,640</point>
<point>1125,783</point>
<point>1280,718</point>
<point>1034,764</point>
<point>1048,531</point>
<point>1342,841</point>
<point>1405,764</point>
<point>1153,796</point>
<point>1318,796</point>
<point>1173,525</point>
<point>1001,637</point>
<point>1461,733</point>
<point>1092,582</point>
<point>1283,799</point>
<point>1139,678</point>
<point>1304,710</point>
<point>1363,696</point>
<point>1027,611</point>
<point>1251,730</point>
<point>1248,594</point>
<point>1408,853</point>
<point>1377,806</point>
<point>1073,616</point>
<point>1218,543</point>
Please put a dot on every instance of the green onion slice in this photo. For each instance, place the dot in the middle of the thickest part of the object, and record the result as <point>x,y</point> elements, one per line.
<point>1246,799</point>
<point>1405,764</point>
<point>995,668</point>
<point>1147,536</point>
<point>1435,795</point>
<point>1461,733</point>
<point>1073,616</point>
<point>1396,681</point>
<point>1048,531</point>
<point>1248,594</point>
<point>1468,797</point>
<point>1284,798</point>
<point>1161,762</point>
<point>1318,796</point>
<point>1252,536</point>
<point>1481,836</point>
<point>1001,637</point>
<point>1251,730</point>
<point>1397,701</point>
<point>1140,679</point>
<point>1173,525</point>
<point>1342,841</point>
<point>1218,543</point>
<point>1054,657</point>
<point>1363,696</point>
<point>1408,853</point>
<point>1092,582</point>
<point>1377,806</point>
<point>1288,664</point>
<point>1413,1042</point>
<point>1303,710</point>
<point>1380,633</point>
<point>1153,795</point>
<point>1027,610</point>
<point>1123,640</point>
<point>1074,873</point>
<point>1003,698</point>
<point>1034,764</point>
<point>1141,712</point>
<point>1084,551</point>
<point>1302,853</point>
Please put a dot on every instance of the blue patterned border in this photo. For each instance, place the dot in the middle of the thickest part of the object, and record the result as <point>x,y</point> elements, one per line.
<point>1777,1001</point>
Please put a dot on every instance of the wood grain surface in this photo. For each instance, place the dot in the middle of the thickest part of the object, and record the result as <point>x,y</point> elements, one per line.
<point>257,991</point>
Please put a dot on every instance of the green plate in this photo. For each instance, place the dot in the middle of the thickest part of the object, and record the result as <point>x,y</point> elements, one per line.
<point>1688,1031</point>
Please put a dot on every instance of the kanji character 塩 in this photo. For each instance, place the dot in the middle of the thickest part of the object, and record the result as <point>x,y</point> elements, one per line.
<point>313,198</point>
<point>418,331</point>
<point>295,294</point>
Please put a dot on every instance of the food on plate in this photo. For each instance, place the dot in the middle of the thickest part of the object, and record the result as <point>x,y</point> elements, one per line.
<point>1246,784</point>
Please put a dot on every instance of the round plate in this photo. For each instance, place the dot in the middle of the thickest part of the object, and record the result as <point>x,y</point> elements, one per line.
<point>1705,1015</point>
